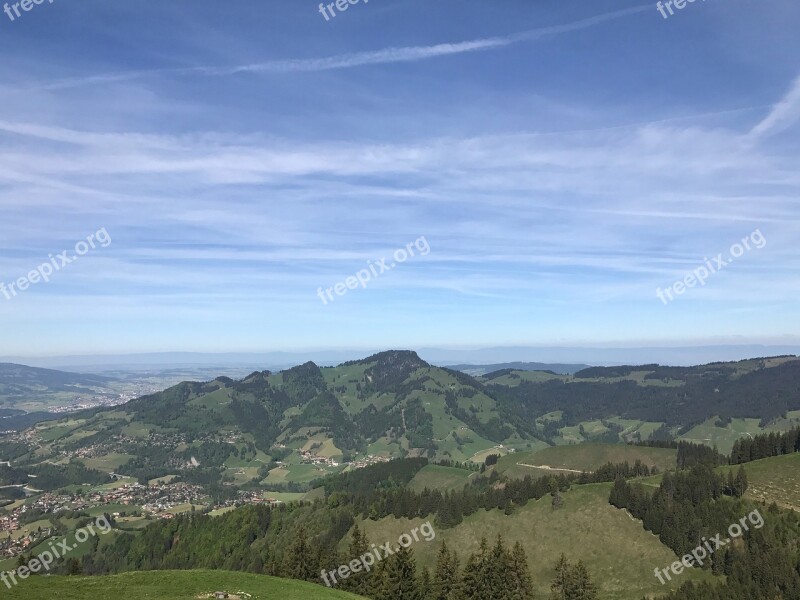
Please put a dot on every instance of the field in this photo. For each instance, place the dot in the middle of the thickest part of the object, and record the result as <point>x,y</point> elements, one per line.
<point>582,457</point>
<point>436,477</point>
<point>587,528</point>
<point>171,585</point>
<point>723,437</point>
<point>775,479</point>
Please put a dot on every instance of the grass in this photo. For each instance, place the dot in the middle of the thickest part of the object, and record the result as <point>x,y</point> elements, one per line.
<point>303,473</point>
<point>480,457</point>
<point>583,457</point>
<point>723,437</point>
<point>515,378</point>
<point>775,479</point>
<point>170,585</point>
<point>620,555</point>
<point>109,462</point>
<point>437,477</point>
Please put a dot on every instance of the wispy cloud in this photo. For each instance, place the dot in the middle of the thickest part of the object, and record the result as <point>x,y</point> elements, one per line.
<point>783,115</point>
<point>349,60</point>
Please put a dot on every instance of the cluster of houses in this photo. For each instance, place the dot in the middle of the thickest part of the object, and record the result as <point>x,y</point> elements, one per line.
<point>9,547</point>
<point>371,459</point>
<point>308,457</point>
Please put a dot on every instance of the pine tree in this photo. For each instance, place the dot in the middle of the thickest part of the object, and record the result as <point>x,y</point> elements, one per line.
<point>562,583</point>
<point>475,582</point>
<point>359,545</point>
<point>521,584</point>
<point>425,585</point>
<point>741,484</point>
<point>400,577</point>
<point>446,576</point>
<point>572,583</point>
<point>299,562</point>
<point>497,570</point>
<point>583,588</point>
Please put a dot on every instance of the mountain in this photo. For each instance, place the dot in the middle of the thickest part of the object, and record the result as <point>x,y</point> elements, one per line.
<point>20,379</point>
<point>560,369</point>
<point>32,388</point>
<point>283,430</point>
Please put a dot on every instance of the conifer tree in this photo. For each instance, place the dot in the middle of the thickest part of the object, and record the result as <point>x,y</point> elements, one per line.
<point>497,569</point>
<point>400,577</point>
<point>583,588</point>
<point>446,576</point>
<point>562,584</point>
<point>475,582</point>
<point>425,585</point>
<point>357,583</point>
<point>300,563</point>
<point>740,485</point>
<point>519,575</point>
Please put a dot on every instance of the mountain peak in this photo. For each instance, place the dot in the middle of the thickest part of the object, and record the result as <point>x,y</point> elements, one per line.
<point>393,358</point>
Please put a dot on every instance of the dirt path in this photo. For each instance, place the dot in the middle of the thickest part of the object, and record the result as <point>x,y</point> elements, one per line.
<point>549,468</point>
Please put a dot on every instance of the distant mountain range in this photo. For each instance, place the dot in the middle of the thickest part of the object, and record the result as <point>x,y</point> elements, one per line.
<point>610,356</point>
<point>292,425</point>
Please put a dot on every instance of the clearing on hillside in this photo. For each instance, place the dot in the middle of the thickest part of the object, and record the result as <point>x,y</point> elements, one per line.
<point>775,479</point>
<point>583,457</point>
<point>437,477</point>
<point>587,528</point>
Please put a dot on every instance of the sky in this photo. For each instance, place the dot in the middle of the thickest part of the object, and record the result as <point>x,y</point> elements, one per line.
<point>533,172</point>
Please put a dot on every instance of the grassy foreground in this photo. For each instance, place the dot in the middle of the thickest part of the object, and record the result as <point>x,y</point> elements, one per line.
<point>170,585</point>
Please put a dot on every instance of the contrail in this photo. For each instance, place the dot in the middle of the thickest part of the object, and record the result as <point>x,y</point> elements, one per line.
<point>351,60</point>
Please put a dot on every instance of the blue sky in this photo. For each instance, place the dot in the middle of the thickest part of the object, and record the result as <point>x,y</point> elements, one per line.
<point>562,160</point>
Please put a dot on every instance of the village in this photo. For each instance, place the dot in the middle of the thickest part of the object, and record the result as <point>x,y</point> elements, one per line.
<point>157,501</point>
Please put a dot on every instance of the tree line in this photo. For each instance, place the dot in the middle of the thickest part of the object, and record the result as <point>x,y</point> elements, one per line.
<point>765,445</point>
<point>696,505</point>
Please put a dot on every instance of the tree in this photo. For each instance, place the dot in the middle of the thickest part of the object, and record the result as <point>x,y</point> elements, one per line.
<point>400,577</point>
<point>572,583</point>
<point>563,580</point>
<point>425,585</point>
<point>300,562</point>
<point>519,576</point>
<point>359,545</point>
<point>446,577</point>
<point>497,571</point>
<point>740,484</point>
<point>475,583</point>
<point>583,588</point>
